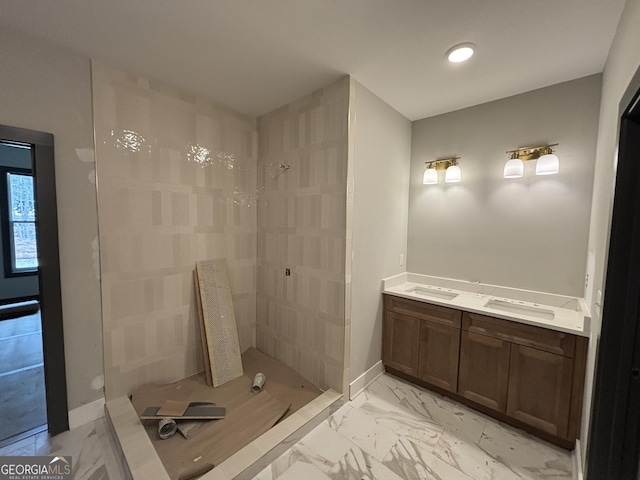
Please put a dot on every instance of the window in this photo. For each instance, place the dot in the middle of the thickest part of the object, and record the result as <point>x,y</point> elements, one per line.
<point>22,227</point>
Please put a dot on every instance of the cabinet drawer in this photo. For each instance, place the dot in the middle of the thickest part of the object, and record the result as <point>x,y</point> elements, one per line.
<point>547,340</point>
<point>425,311</point>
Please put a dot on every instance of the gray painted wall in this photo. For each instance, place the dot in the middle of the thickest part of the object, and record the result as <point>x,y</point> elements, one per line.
<point>528,233</point>
<point>382,149</point>
<point>49,89</point>
<point>25,285</point>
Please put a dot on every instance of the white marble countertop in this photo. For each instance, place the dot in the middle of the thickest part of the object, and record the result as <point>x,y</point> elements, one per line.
<point>555,312</point>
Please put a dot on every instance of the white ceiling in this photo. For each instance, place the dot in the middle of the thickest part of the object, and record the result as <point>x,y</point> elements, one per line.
<point>256,55</point>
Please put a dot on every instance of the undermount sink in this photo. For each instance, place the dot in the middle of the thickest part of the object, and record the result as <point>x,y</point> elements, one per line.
<point>528,310</point>
<point>432,292</point>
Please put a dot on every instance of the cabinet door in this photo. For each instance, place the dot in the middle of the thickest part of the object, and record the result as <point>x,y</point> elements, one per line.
<point>540,389</point>
<point>484,370</point>
<point>401,342</point>
<point>439,351</point>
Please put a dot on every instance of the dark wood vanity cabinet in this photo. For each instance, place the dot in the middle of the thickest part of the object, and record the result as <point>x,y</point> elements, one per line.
<point>438,354</point>
<point>536,365</point>
<point>540,389</point>
<point>401,343</point>
<point>484,370</point>
<point>422,340</point>
<point>528,376</point>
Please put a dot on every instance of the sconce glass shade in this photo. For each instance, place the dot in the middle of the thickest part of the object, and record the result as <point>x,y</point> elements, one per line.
<point>514,168</point>
<point>547,165</point>
<point>453,174</point>
<point>430,176</point>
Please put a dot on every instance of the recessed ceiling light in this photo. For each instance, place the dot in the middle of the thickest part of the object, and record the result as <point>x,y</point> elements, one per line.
<point>461,52</point>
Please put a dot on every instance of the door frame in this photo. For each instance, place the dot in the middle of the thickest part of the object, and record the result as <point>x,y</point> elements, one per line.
<point>614,441</point>
<point>49,285</point>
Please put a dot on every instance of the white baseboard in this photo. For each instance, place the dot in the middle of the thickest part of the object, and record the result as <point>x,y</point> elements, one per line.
<point>363,381</point>
<point>86,413</point>
<point>577,462</point>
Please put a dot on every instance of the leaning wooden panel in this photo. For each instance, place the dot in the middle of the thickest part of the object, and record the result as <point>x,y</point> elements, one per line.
<point>203,333</point>
<point>223,347</point>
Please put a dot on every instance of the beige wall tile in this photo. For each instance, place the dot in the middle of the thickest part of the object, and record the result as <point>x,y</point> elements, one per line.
<point>302,226</point>
<point>159,212</point>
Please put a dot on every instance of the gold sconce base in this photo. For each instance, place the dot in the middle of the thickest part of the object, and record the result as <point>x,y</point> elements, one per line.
<point>443,163</point>
<point>531,153</point>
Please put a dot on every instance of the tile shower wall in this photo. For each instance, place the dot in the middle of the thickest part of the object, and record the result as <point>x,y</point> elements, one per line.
<point>176,184</point>
<point>302,226</point>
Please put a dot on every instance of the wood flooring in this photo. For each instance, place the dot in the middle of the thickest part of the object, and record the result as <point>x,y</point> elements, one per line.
<point>23,402</point>
<point>248,414</point>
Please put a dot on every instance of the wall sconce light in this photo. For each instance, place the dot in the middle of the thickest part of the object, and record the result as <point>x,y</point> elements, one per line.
<point>430,176</point>
<point>547,164</point>
<point>453,173</point>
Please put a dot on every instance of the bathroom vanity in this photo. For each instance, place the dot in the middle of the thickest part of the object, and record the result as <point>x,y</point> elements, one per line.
<point>521,362</point>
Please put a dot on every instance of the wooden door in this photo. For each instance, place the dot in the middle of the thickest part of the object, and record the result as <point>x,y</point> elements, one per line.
<point>438,358</point>
<point>401,341</point>
<point>484,370</point>
<point>540,389</point>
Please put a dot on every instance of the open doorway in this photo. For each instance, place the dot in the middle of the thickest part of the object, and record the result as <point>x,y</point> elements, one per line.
<point>614,440</point>
<point>23,404</point>
<point>29,212</point>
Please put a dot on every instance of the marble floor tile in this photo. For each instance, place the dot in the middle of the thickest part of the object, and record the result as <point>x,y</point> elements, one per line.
<point>327,443</point>
<point>365,431</point>
<point>340,458</point>
<point>97,458</point>
<point>42,443</point>
<point>359,465</point>
<point>392,431</point>
<point>405,425</point>
<point>452,416</point>
<point>395,430</point>
<point>331,454</point>
<point>21,448</point>
<point>412,461</point>
<point>394,394</point>
<point>471,459</point>
<point>70,442</point>
<point>278,467</point>
<point>90,447</point>
<point>385,391</point>
<point>529,457</point>
<point>300,470</point>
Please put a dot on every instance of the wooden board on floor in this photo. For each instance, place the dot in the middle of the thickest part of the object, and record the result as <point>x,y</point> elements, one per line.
<point>20,351</point>
<point>191,413</point>
<point>283,382</point>
<point>284,386</point>
<point>220,439</point>
<point>22,402</point>
<point>217,440</point>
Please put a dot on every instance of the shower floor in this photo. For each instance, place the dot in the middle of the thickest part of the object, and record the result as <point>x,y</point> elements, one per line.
<point>248,415</point>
